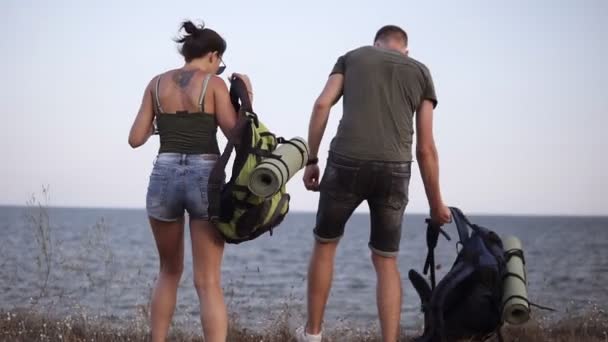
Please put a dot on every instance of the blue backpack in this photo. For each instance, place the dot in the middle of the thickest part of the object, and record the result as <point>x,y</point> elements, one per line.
<point>466,303</point>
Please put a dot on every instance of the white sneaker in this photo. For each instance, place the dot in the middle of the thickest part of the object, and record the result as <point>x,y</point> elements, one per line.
<point>302,336</point>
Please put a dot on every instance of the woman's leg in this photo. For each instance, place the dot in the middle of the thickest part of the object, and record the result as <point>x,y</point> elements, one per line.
<point>207,251</point>
<point>169,238</point>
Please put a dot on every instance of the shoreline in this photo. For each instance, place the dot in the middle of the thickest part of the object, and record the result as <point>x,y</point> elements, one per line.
<point>29,325</point>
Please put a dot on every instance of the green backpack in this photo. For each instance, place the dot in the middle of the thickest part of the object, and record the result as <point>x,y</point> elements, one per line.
<point>238,214</point>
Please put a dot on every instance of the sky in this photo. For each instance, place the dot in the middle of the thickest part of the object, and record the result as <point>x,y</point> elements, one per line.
<point>520,125</point>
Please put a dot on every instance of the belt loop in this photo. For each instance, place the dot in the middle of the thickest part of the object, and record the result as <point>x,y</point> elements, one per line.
<point>183,160</point>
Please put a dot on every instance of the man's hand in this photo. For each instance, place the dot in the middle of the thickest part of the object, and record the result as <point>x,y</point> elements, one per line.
<point>311,177</point>
<point>441,215</point>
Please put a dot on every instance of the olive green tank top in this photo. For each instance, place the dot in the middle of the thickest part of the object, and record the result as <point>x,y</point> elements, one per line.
<point>185,132</point>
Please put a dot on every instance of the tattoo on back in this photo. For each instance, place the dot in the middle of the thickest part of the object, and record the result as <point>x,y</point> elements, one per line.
<point>182,78</point>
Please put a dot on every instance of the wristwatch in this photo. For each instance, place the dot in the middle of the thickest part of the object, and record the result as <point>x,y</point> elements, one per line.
<point>312,161</point>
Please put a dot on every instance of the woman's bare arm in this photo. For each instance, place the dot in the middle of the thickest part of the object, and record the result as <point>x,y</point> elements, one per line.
<point>142,127</point>
<point>224,111</point>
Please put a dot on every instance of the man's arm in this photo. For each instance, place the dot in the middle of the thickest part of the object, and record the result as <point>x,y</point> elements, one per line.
<point>318,121</point>
<point>428,161</point>
<point>320,113</point>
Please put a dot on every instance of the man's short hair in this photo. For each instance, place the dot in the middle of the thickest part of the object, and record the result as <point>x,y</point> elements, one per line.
<point>391,31</point>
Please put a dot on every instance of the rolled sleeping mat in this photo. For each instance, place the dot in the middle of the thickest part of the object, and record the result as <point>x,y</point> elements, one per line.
<point>516,308</point>
<point>273,173</point>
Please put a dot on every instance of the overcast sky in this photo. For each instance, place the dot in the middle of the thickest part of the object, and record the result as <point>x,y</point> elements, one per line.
<point>522,91</point>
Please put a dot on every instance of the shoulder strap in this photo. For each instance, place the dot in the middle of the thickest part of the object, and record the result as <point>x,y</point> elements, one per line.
<point>159,109</point>
<point>239,96</point>
<point>218,174</point>
<point>216,183</point>
<point>240,100</point>
<point>432,236</point>
<point>462,224</point>
<point>201,99</point>
<point>422,288</point>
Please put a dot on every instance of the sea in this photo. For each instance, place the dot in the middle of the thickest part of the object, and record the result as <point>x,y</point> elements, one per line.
<point>104,262</point>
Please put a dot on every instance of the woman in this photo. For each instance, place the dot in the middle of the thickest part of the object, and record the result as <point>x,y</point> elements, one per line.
<point>187,104</point>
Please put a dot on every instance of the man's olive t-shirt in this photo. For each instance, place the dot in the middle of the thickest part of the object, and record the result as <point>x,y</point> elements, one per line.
<point>382,90</point>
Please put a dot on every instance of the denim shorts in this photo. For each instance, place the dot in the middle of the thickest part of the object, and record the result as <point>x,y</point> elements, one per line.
<point>347,182</point>
<point>178,183</point>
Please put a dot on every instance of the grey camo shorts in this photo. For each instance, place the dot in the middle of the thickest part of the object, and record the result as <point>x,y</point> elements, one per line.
<point>348,182</point>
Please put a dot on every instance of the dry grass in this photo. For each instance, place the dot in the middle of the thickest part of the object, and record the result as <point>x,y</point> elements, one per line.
<point>592,328</point>
<point>24,326</point>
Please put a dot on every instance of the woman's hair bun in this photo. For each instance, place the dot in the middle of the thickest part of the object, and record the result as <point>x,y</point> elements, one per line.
<point>191,29</point>
<point>197,41</point>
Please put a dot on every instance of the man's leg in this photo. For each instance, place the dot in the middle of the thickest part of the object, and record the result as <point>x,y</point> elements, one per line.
<point>337,202</point>
<point>320,274</point>
<point>387,204</point>
<point>388,296</point>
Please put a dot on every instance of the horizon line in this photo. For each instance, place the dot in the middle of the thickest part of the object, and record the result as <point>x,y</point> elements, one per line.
<point>471,213</point>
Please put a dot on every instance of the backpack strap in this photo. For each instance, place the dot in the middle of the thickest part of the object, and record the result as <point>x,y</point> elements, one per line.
<point>239,96</point>
<point>462,224</point>
<point>218,175</point>
<point>422,288</point>
<point>303,151</point>
<point>277,217</point>
<point>216,182</point>
<point>499,334</point>
<point>201,99</point>
<point>432,236</point>
<point>240,101</point>
<point>538,306</point>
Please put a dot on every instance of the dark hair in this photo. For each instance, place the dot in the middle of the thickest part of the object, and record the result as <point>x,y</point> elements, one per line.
<point>391,31</point>
<point>199,41</point>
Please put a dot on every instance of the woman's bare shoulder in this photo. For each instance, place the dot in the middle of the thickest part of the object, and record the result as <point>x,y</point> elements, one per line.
<point>217,83</point>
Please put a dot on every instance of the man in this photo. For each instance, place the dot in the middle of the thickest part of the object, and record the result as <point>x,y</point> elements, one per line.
<point>369,160</point>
